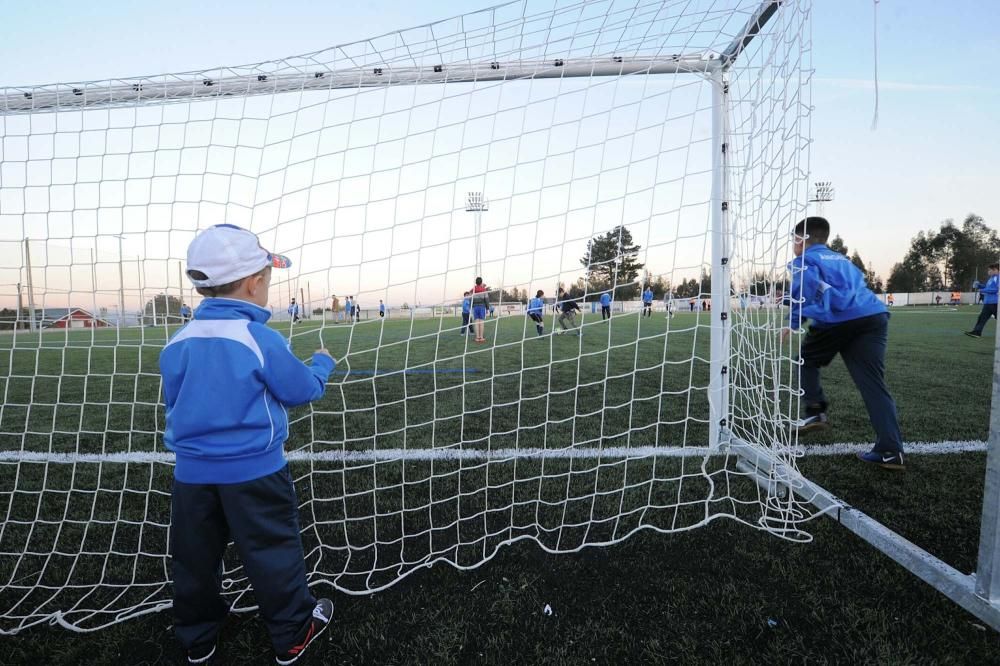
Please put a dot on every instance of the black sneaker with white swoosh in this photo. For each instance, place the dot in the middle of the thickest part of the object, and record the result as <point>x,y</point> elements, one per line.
<point>886,459</point>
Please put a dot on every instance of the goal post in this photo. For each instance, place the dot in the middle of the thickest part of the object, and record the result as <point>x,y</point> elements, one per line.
<point>721,283</point>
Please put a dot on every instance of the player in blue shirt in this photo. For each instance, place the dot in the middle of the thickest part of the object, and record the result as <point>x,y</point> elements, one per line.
<point>846,318</point>
<point>466,313</point>
<point>988,292</point>
<point>535,307</point>
<point>349,309</point>
<point>381,308</point>
<point>293,311</point>
<point>605,306</point>
<point>647,302</point>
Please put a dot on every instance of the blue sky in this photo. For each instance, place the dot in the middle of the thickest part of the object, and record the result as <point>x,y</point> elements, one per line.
<point>933,155</point>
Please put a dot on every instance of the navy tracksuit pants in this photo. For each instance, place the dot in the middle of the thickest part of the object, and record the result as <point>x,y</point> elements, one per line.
<point>989,310</point>
<point>862,344</point>
<point>262,518</point>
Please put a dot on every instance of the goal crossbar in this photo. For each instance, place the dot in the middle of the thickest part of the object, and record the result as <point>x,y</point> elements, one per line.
<point>130,92</point>
<point>209,84</point>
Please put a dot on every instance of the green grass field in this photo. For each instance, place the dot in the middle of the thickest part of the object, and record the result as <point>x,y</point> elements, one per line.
<point>722,593</point>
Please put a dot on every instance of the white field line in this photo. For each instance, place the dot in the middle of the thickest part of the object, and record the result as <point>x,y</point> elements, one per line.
<point>389,455</point>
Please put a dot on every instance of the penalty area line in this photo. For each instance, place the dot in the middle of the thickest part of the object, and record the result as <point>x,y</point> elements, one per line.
<point>399,455</point>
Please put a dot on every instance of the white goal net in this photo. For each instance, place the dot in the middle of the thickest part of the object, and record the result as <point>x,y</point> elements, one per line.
<point>619,148</point>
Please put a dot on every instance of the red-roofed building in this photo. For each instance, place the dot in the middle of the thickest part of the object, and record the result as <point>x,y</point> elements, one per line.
<point>68,318</point>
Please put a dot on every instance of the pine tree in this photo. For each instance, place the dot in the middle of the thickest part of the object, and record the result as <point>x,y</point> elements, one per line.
<point>611,260</point>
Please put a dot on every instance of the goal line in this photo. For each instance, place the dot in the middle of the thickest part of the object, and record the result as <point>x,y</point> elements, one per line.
<point>390,455</point>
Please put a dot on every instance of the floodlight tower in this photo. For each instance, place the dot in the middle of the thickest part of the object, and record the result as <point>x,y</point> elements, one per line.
<point>822,193</point>
<point>476,203</point>
<point>121,282</point>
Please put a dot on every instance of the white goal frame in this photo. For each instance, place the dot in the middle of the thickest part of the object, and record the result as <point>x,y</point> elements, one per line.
<point>978,593</point>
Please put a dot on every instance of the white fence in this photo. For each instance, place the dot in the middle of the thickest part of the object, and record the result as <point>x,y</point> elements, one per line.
<point>930,298</point>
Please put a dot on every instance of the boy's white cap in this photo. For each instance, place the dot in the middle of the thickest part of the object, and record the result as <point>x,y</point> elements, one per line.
<point>226,253</point>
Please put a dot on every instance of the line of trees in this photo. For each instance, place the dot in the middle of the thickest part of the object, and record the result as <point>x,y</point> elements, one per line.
<point>948,259</point>
<point>10,316</point>
<point>162,309</point>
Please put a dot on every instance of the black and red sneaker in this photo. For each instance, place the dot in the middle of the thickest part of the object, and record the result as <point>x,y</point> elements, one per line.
<point>320,620</point>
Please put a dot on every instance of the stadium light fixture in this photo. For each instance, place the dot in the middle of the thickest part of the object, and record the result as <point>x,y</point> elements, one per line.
<point>476,203</point>
<point>823,192</point>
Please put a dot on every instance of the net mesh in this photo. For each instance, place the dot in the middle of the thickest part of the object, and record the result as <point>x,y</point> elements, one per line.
<point>588,128</point>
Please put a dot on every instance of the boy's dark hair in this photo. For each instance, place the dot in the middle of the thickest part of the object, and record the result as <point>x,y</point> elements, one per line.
<point>479,281</point>
<point>995,267</point>
<point>465,293</point>
<point>815,230</point>
<point>539,294</point>
<point>221,289</point>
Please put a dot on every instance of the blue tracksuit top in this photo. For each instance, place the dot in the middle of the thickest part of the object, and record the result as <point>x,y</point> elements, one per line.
<point>990,289</point>
<point>647,296</point>
<point>466,305</point>
<point>829,289</point>
<point>227,379</point>
<point>535,306</point>
<point>605,300</point>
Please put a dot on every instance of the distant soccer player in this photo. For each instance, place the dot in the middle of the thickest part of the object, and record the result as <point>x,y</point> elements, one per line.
<point>569,308</point>
<point>334,306</point>
<point>847,318</point>
<point>647,302</point>
<point>466,314</point>
<point>691,303</point>
<point>480,299</point>
<point>535,307</point>
<point>668,305</point>
<point>293,311</point>
<point>605,306</point>
<point>348,309</point>
<point>989,294</point>
<point>381,308</point>
<point>357,312</point>
<point>185,312</point>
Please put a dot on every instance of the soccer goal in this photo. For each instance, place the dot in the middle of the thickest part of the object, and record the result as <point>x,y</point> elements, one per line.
<point>664,142</point>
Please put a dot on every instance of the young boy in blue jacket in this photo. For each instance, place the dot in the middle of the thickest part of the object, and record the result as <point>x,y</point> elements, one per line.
<point>989,293</point>
<point>848,319</point>
<point>227,380</point>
